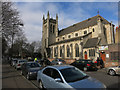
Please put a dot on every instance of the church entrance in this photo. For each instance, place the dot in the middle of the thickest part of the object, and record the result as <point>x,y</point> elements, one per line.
<point>85,55</point>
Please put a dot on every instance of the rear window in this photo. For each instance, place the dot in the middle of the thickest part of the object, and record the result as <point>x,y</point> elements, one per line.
<point>33,65</point>
<point>22,61</point>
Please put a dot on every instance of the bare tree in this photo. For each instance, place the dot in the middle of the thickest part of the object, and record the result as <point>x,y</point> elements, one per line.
<point>11,24</point>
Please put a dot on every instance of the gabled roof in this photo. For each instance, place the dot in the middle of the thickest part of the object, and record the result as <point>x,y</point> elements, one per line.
<point>92,42</point>
<point>72,39</point>
<point>81,25</point>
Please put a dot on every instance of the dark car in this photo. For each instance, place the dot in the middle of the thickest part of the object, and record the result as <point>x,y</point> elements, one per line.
<point>58,62</point>
<point>30,69</point>
<point>45,62</point>
<point>85,65</point>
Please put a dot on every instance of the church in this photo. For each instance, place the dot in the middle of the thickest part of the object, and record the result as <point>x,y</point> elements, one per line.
<point>83,40</point>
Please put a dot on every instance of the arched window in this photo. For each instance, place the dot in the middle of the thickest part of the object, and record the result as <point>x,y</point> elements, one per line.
<point>60,51</point>
<point>68,51</point>
<point>63,51</point>
<point>53,28</point>
<point>55,52</point>
<point>71,47</point>
<point>93,30</point>
<point>76,50</point>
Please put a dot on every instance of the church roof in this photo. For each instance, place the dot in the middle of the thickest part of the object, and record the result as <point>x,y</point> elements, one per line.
<point>72,39</point>
<point>92,42</point>
<point>81,25</point>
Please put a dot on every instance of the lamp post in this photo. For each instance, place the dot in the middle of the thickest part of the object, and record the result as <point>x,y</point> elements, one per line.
<point>13,33</point>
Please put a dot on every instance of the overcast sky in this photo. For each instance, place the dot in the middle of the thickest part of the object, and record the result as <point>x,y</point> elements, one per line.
<point>69,13</point>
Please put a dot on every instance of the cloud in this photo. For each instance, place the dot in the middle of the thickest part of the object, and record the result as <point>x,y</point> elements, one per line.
<point>68,14</point>
<point>64,0</point>
<point>33,33</point>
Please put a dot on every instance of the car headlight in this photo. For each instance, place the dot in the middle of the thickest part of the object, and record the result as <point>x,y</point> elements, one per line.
<point>32,72</point>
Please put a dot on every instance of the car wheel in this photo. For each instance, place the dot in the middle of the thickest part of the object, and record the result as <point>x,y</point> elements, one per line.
<point>85,68</point>
<point>28,77</point>
<point>111,72</point>
<point>41,85</point>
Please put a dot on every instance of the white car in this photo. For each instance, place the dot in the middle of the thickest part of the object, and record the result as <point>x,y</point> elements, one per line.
<point>66,76</point>
<point>113,70</point>
<point>19,64</point>
<point>13,62</point>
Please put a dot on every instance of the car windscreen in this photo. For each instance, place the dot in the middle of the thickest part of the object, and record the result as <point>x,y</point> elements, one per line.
<point>33,65</point>
<point>73,74</point>
<point>84,61</point>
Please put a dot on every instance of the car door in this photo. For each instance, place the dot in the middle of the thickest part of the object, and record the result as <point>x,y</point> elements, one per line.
<point>118,69</point>
<point>26,68</point>
<point>56,84</point>
<point>46,77</point>
<point>80,64</point>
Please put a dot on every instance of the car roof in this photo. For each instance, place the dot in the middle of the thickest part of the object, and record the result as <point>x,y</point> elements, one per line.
<point>84,60</point>
<point>22,60</point>
<point>31,62</point>
<point>59,67</point>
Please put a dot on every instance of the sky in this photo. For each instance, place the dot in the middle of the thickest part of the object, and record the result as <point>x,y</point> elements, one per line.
<point>69,13</point>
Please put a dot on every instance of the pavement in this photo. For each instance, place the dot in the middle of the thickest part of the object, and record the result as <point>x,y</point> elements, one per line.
<point>11,78</point>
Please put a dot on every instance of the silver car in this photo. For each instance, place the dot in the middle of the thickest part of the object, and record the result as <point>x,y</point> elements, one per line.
<point>58,62</point>
<point>19,64</point>
<point>113,70</point>
<point>66,76</point>
<point>13,62</point>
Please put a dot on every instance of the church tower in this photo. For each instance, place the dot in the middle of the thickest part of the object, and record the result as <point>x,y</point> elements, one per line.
<point>49,33</point>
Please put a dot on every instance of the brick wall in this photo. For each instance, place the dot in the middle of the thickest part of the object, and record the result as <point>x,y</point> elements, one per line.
<point>109,64</point>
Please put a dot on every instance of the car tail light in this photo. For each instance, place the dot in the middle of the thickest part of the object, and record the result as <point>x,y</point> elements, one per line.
<point>18,64</point>
<point>88,65</point>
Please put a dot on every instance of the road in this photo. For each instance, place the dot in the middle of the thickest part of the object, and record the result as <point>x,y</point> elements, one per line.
<point>109,81</point>
<point>12,78</point>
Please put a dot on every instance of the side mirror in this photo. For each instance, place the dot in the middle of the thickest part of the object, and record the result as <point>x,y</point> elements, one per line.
<point>58,80</point>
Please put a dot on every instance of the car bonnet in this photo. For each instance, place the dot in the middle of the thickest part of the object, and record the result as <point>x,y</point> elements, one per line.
<point>87,83</point>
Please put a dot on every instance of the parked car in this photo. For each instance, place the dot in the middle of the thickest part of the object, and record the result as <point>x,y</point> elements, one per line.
<point>30,69</point>
<point>113,70</point>
<point>58,62</point>
<point>19,63</point>
<point>85,65</point>
<point>66,76</point>
<point>45,62</point>
<point>13,62</point>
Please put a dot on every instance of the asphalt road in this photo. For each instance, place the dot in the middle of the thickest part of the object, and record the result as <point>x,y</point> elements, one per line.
<point>12,78</point>
<point>109,81</point>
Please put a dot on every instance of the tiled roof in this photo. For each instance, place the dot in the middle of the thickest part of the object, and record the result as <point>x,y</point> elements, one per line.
<point>72,39</point>
<point>81,25</point>
<point>92,42</point>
